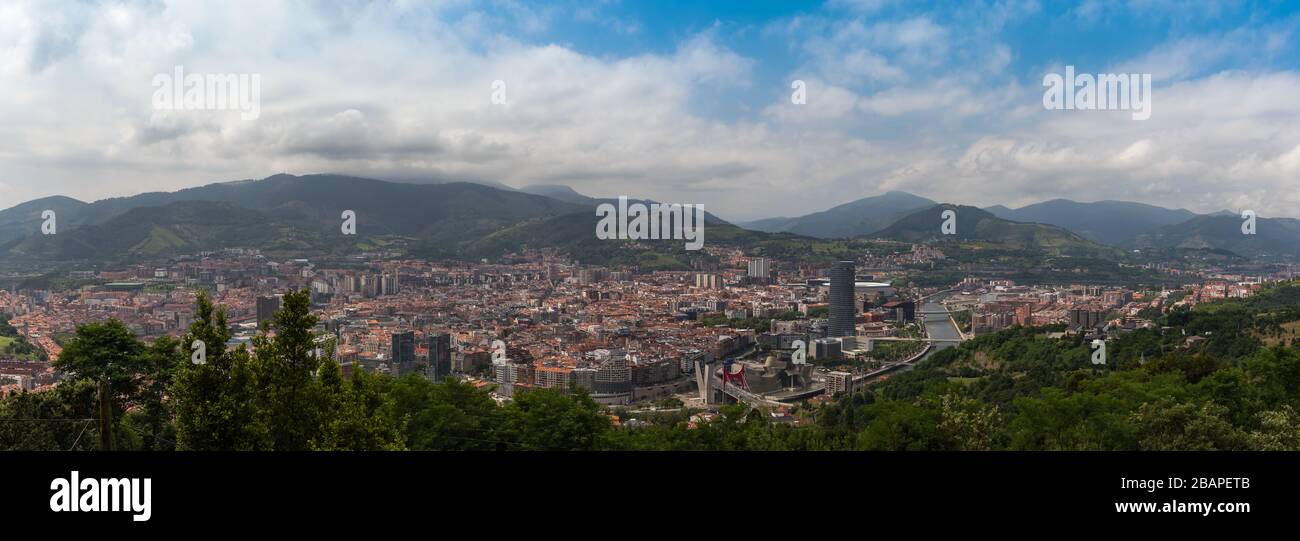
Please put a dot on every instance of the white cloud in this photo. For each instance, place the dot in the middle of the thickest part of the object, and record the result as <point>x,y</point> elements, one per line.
<point>403,91</point>
<point>1134,153</point>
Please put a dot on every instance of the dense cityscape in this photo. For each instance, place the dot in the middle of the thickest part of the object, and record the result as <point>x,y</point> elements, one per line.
<point>627,338</point>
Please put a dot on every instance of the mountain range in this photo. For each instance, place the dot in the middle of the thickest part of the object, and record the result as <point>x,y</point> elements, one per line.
<point>282,211</point>
<point>287,213</point>
<point>974,225</point>
<point>854,219</point>
<point>1273,237</point>
<point>1121,224</point>
<point>1107,222</point>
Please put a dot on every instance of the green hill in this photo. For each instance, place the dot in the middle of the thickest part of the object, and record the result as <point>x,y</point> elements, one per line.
<point>979,229</point>
<point>1108,222</point>
<point>150,231</point>
<point>853,219</point>
<point>1274,237</point>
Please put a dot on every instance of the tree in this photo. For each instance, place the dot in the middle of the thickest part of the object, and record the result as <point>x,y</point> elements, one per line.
<point>152,420</point>
<point>1167,425</point>
<point>550,420</point>
<point>900,426</point>
<point>290,397</point>
<point>214,401</point>
<point>360,414</point>
<point>1279,431</point>
<point>62,419</point>
<point>108,354</point>
<point>105,351</point>
<point>448,416</point>
<point>971,423</point>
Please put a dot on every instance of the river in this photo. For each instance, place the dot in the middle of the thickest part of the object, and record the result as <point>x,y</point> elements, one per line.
<point>938,325</point>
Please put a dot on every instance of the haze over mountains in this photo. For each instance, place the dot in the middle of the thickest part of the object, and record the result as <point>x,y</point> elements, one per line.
<point>1274,237</point>
<point>1123,224</point>
<point>854,219</point>
<point>563,193</point>
<point>302,213</point>
<point>1107,222</point>
<point>567,194</point>
<point>976,225</point>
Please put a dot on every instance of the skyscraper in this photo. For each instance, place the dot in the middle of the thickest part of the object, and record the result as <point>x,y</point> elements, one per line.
<point>439,356</point>
<point>403,352</point>
<point>708,281</point>
<point>388,284</point>
<point>758,268</point>
<point>266,308</point>
<point>841,307</point>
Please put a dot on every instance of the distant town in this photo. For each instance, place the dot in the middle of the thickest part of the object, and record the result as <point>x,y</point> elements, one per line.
<point>751,329</point>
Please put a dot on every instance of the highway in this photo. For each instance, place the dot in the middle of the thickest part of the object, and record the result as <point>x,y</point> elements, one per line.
<point>939,329</point>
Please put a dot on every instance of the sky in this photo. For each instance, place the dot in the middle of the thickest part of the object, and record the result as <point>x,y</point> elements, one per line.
<point>683,102</point>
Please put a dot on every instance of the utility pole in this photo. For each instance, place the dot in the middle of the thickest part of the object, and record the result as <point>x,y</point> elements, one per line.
<point>105,418</point>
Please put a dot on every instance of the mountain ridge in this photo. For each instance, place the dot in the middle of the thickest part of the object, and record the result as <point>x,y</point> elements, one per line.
<point>1273,237</point>
<point>973,224</point>
<point>455,219</point>
<point>856,218</point>
<point>1109,222</point>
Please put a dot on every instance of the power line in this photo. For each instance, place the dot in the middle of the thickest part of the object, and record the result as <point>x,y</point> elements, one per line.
<point>83,431</point>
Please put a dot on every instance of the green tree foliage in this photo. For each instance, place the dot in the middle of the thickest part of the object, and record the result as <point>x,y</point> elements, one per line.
<point>151,420</point>
<point>102,353</point>
<point>214,402</point>
<point>447,416</point>
<point>105,351</point>
<point>1279,430</point>
<point>1166,425</point>
<point>290,399</point>
<point>357,415</point>
<point>108,353</point>
<point>64,419</point>
<point>548,420</point>
<point>970,423</point>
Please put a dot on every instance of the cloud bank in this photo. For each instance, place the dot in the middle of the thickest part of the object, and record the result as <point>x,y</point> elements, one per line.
<point>943,102</point>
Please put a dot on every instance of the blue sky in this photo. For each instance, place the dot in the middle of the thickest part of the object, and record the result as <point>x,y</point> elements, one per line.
<point>678,101</point>
<point>1093,36</point>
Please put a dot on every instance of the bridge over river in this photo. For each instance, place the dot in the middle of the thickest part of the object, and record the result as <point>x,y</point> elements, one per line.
<point>941,333</point>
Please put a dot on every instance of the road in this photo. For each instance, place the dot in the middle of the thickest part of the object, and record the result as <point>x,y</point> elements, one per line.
<point>938,326</point>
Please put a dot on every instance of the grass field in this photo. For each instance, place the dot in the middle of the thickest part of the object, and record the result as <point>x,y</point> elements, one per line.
<point>5,341</point>
<point>1290,331</point>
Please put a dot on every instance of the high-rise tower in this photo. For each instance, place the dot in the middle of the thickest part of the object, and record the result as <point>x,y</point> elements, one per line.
<point>842,311</point>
